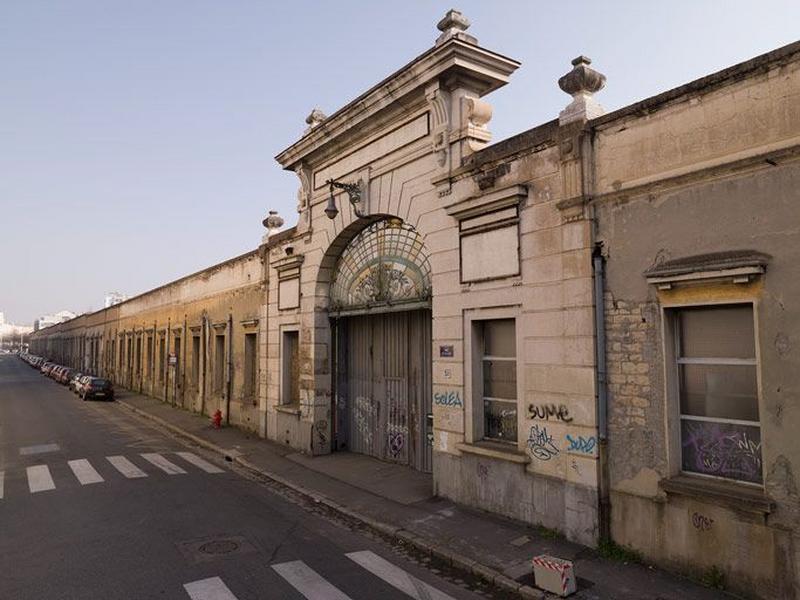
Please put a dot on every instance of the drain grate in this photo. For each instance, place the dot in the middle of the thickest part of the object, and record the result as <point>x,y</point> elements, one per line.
<point>215,547</point>
<point>219,547</point>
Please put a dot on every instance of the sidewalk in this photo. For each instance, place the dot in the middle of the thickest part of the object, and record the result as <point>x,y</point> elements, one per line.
<point>396,501</point>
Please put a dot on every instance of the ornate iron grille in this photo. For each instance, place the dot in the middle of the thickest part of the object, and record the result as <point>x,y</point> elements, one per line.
<point>384,264</point>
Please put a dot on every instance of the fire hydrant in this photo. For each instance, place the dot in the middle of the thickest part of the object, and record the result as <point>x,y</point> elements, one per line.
<point>216,419</point>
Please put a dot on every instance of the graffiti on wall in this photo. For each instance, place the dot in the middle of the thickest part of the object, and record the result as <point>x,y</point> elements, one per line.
<point>540,443</point>
<point>722,449</point>
<point>321,432</point>
<point>549,411</point>
<point>448,398</point>
<point>580,444</point>
<point>701,522</point>
<point>364,413</point>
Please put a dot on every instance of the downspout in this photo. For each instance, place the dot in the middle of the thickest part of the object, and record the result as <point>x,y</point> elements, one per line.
<point>204,366</point>
<point>602,390</point>
<point>229,380</point>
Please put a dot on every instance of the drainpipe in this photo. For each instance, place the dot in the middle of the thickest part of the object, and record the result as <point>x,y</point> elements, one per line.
<point>204,365</point>
<point>229,380</point>
<point>166,358</point>
<point>602,390</point>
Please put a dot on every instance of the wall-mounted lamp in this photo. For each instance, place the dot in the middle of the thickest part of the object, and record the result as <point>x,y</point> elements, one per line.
<point>354,193</point>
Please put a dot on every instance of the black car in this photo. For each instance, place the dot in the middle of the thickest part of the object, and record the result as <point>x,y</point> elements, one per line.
<point>97,387</point>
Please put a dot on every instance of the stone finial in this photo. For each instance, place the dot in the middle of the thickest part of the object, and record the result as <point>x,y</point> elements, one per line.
<point>582,82</point>
<point>273,223</point>
<point>454,25</point>
<point>315,119</point>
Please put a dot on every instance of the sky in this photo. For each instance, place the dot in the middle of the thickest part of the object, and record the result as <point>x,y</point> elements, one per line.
<point>137,138</point>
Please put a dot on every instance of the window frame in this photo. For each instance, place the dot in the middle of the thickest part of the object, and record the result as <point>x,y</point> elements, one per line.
<point>672,361</point>
<point>284,383</point>
<point>473,378</point>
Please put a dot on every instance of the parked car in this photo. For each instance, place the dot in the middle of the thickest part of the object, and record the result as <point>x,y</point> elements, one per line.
<point>97,387</point>
<point>66,375</point>
<point>81,383</point>
<point>73,381</point>
<point>47,367</point>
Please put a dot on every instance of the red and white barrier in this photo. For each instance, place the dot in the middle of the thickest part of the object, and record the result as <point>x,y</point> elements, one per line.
<point>554,574</point>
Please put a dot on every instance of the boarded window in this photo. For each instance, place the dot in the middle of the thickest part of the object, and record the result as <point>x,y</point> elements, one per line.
<point>149,363</point>
<point>138,355</point>
<point>196,359</point>
<point>499,379</point>
<point>717,383</point>
<point>176,350</point>
<point>219,363</point>
<point>250,364</point>
<point>162,345</point>
<point>290,368</point>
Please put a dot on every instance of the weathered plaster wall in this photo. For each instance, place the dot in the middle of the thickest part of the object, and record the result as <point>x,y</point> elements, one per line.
<point>754,209</point>
<point>113,342</point>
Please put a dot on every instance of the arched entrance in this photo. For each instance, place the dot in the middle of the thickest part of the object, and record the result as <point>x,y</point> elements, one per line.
<point>381,322</point>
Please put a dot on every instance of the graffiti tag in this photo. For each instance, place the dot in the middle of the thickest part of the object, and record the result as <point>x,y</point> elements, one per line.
<point>449,398</point>
<point>584,445</point>
<point>540,443</point>
<point>701,522</point>
<point>546,411</point>
<point>396,442</point>
<point>722,449</point>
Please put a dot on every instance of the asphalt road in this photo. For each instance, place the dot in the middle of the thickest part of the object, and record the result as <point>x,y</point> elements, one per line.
<point>95,503</point>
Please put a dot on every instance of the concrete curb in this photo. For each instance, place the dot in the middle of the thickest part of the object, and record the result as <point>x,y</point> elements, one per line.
<point>452,558</point>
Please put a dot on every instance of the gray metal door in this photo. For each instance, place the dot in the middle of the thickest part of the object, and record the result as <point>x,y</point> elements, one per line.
<point>384,386</point>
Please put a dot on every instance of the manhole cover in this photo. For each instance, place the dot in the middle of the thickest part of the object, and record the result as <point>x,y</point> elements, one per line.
<point>219,547</point>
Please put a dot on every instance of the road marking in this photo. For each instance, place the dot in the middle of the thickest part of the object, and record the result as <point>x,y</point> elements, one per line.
<point>84,471</point>
<point>126,467</point>
<point>163,464</point>
<point>40,449</point>
<point>212,588</point>
<point>199,462</point>
<point>39,479</point>
<point>308,582</point>
<point>397,577</point>
<point>2,479</point>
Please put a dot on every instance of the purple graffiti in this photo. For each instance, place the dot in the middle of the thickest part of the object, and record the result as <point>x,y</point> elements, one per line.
<point>722,449</point>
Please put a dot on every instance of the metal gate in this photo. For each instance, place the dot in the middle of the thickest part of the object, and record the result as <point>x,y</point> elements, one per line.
<point>383,386</point>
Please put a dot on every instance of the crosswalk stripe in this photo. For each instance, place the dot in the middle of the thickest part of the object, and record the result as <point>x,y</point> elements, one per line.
<point>212,588</point>
<point>308,582</point>
<point>162,463</point>
<point>2,479</point>
<point>39,479</point>
<point>199,462</point>
<point>126,467</point>
<point>397,577</point>
<point>84,471</point>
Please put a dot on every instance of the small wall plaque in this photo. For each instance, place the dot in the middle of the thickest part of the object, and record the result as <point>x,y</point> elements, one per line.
<point>446,351</point>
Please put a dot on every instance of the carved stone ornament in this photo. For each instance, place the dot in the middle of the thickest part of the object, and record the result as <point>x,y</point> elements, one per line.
<point>454,25</point>
<point>582,82</point>
<point>385,264</point>
<point>314,119</point>
<point>273,223</point>
<point>439,102</point>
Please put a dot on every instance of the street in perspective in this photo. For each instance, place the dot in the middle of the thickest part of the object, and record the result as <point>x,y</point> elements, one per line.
<point>502,320</point>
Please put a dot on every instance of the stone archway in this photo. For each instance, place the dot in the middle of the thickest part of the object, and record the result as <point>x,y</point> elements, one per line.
<point>379,304</point>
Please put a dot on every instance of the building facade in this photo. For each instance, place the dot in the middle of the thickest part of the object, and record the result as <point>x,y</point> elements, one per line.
<point>586,326</point>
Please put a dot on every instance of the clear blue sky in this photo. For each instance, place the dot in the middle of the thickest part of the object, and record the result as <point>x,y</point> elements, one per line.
<point>137,138</point>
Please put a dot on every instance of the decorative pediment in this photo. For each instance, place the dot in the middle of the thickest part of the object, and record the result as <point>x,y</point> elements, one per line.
<point>735,266</point>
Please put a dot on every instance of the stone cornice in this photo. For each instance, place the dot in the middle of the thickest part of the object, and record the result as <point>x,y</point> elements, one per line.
<point>454,60</point>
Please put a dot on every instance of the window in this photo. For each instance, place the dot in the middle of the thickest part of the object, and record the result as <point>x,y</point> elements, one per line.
<point>250,364</point>
<point>196,359</point>
<point>498,379</point>
<point>162,347</point>
<point>139,355</point>
<point>149,365</point>
<point>290,368</point>
<point>176,350</point>
<point>219,362</point>
<point>717,387</point>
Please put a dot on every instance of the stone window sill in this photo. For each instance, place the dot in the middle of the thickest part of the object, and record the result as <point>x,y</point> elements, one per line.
<point>289,409</point>
<point>495,450</point>
<point>743,499</point>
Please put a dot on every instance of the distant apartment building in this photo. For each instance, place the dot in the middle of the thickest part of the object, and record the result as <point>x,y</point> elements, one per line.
<point>47,320</point>
<point>113,298</point>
